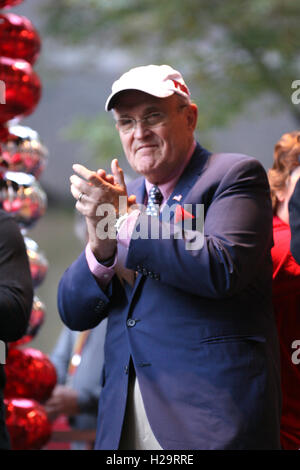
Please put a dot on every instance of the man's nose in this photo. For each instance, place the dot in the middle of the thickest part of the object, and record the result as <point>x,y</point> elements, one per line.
<point>140,130</point>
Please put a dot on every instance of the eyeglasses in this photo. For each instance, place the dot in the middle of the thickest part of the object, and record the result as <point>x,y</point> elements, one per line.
<point>151,120</point>
<point>127,124</point>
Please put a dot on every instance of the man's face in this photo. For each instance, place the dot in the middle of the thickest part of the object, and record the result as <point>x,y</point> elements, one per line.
<point>155,152</point>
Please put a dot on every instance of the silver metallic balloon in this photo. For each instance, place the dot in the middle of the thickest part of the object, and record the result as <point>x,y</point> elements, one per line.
<point>23,151</point>
<point>37,261</point>
<point>36,320</point>
<point>23,197</point>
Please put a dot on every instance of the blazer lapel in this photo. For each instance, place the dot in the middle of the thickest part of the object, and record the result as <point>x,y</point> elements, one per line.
<point>138,188</point>
<point>187,180</point>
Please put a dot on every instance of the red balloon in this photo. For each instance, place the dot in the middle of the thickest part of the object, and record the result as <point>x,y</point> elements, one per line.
<point>29,374</point>
<point>22,88</point>
<point>18,38</point>
<point>27,424</point>
<point>9,3</point>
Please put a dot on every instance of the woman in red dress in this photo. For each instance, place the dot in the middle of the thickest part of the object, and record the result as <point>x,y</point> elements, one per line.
<point>286,284</point>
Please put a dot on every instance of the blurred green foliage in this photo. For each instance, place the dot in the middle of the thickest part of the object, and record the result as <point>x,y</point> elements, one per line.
<point>99,134</point>
<point>230,52</point>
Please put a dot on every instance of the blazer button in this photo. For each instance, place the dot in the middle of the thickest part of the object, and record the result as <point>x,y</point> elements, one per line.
<point>131,322</point>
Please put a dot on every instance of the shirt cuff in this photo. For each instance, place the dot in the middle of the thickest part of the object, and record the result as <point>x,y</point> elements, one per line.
<point>126,229</point>
<point>102,273</point>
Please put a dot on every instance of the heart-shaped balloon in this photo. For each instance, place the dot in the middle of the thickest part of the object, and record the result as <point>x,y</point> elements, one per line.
<point>29,374</point>
<point>36,320</point>
<point>18,38</point>
<point>23,197</point>
<point>23,150</point>
<point>22,88</point>
<point>27,424</point>
<point>37,261</point>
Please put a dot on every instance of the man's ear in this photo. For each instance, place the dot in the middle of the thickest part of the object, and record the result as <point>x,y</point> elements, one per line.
<point>192,116</point>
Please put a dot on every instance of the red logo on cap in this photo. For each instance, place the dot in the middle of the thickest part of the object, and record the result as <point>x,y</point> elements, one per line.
<point>181,87</point>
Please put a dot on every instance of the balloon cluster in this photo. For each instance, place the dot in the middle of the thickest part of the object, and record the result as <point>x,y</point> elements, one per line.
<point>30,376</point>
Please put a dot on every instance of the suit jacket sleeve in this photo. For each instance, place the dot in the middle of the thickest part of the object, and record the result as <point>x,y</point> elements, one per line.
<point>294,211</point>
<point>16,291</point>
<point>81,302</point>
<point>238,236</point>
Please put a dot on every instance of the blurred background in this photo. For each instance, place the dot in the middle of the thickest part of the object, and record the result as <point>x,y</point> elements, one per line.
<point>239,60</point>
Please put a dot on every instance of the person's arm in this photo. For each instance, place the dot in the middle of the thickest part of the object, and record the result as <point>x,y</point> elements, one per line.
<point>16,291</point>
<point>237,237</point>
<point>103,273</point>
<point>85,288</point>
<point>294,213</point>
<point>82,304</point>
<point>61,354</point>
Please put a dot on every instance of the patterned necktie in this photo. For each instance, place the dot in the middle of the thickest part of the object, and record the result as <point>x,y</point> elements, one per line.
<point>155,198</point>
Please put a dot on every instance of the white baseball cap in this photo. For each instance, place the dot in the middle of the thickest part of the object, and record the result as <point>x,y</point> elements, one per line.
<point>156,80</point>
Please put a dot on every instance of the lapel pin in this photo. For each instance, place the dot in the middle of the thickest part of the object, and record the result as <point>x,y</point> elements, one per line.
<point>178,197</point>
<point>182,214</point>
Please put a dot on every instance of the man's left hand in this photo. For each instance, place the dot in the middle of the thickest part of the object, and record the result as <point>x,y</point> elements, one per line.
<point>97,188</point>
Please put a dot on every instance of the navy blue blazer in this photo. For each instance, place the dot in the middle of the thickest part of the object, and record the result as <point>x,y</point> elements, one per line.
<point>294,213</point>
<point>197,324</point>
